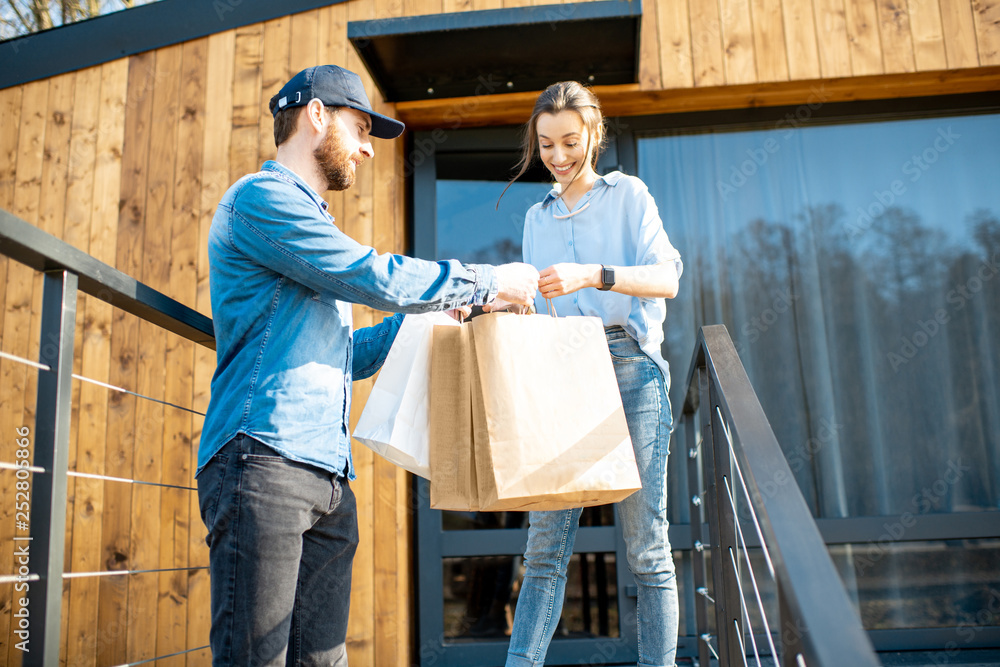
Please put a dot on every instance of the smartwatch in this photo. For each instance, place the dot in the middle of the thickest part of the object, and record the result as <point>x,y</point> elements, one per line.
<point>607,278</point>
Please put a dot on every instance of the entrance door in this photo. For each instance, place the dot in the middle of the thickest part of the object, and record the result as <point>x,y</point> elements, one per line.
<point>469,565</point>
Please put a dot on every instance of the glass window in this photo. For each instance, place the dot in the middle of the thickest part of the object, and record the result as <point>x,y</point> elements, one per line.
<point>470,228</point>
<point>480,595</point>
<point>855,266</point>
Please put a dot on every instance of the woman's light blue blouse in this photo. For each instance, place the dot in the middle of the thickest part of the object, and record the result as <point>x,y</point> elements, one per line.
<point>616,224</point>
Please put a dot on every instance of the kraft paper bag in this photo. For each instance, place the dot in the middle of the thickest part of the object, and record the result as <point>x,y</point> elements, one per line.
<point>452,447</point>
<point>548,427</point>
<point>394,423</point>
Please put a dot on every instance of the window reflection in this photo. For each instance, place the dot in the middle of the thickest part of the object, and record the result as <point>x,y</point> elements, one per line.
<point>855,267</point>
<point>480,595</point>
<point>470,228</point>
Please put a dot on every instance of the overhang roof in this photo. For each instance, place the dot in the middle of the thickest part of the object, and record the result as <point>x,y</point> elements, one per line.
<point>500,50</point>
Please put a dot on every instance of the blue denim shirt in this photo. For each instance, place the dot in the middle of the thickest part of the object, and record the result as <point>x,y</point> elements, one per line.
<point>283,278</point>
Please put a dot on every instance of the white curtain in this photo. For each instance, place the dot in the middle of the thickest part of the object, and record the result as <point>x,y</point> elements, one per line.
<point>857,268</point>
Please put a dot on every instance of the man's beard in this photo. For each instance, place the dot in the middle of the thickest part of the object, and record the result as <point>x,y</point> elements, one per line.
<point>335,162</point>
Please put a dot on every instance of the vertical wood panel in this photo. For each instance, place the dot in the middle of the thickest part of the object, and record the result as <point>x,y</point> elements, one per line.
<point>108,166</point>
<point>769,40</point>
<point>214,182</point>
<point>176,520</point>
<point>146,597</point>
<point>51,219</point>
<point>649,46</point>
<point>357,223</point>
<point>675,44</point>
<point>863,34</point>
<point>82,156</point>
<point>97,122</point>
<point>405,589</point>
<point>275,72</point>
<point>245,142</point>
<point>96,352</point>
<point>737,41</point>
<point>959,30</point>
<point>422,7</point>
<point>897,44</point>
<point>987,16</point>
<point>10,110</point>
<point>800,40</point>
<point>15,378</point>
<point>391,628</point>
<point>833,41</point>
<point>304,44</point>
<point>333,47</point>
<point>55,155</point>
<point>707,57</point>
<point>87,449</point>
<point>114,612</point>
<point>928,40</point>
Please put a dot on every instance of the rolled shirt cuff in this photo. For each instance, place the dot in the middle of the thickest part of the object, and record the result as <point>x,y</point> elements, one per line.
<point>486,284</point>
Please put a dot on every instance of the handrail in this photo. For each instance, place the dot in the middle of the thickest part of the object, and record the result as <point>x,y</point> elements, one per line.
<point>29,245</point>
<point>739,457</point>
<point>67,271</point>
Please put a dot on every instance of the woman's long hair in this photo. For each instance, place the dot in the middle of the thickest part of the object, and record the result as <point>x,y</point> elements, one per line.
<point>562,96</point>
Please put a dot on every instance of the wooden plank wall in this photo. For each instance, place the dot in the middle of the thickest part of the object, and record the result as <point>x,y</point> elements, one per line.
<point>127,160</point>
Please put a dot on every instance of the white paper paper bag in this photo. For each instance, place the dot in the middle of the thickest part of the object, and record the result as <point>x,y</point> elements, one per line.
<point>394,422</point>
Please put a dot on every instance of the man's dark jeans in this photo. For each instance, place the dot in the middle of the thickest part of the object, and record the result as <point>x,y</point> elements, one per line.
<point>282,537</point>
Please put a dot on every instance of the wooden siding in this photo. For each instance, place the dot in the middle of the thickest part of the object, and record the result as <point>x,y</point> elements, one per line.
<point>127,160</point>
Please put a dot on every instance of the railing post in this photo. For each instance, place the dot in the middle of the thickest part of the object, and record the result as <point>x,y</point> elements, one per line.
<point>789,633</point>
<point>712,511</point>
<point>698,498</point>
<point>48,492</point>
<point>727,596</point>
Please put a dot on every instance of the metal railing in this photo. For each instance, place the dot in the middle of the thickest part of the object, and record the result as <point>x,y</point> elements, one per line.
<point>742,487</point>
<point>68,271</point>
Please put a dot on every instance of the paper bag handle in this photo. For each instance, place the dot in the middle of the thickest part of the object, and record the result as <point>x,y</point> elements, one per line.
<point>550,307</point>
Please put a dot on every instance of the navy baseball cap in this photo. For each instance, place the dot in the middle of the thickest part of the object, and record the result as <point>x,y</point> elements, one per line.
<point>335,87</point>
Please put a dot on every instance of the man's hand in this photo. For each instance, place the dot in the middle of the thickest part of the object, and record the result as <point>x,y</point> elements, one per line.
<point>460,314</point>
<point>518,283</point>
<point>499,305</point>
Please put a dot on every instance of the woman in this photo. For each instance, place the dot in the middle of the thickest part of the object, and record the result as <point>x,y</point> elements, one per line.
<point>600,248</point>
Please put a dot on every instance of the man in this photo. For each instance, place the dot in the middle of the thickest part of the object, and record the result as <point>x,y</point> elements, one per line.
<point>275,461</point>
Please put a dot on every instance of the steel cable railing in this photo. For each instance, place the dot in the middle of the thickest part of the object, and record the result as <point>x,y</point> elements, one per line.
<point>68,271</point>
<point>729,439</point>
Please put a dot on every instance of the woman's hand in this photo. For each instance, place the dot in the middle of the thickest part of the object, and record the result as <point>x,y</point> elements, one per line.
<point>566,278</point>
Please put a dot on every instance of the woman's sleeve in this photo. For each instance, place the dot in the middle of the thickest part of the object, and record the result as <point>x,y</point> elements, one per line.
<point>652,244</point>
<point>526,247</point>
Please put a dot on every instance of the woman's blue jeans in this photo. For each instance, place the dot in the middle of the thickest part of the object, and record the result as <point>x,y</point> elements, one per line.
<point>281,537</point>
<point>643,517</point>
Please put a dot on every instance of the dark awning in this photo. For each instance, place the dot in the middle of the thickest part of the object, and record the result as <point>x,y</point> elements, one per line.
<point>500,50</point>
